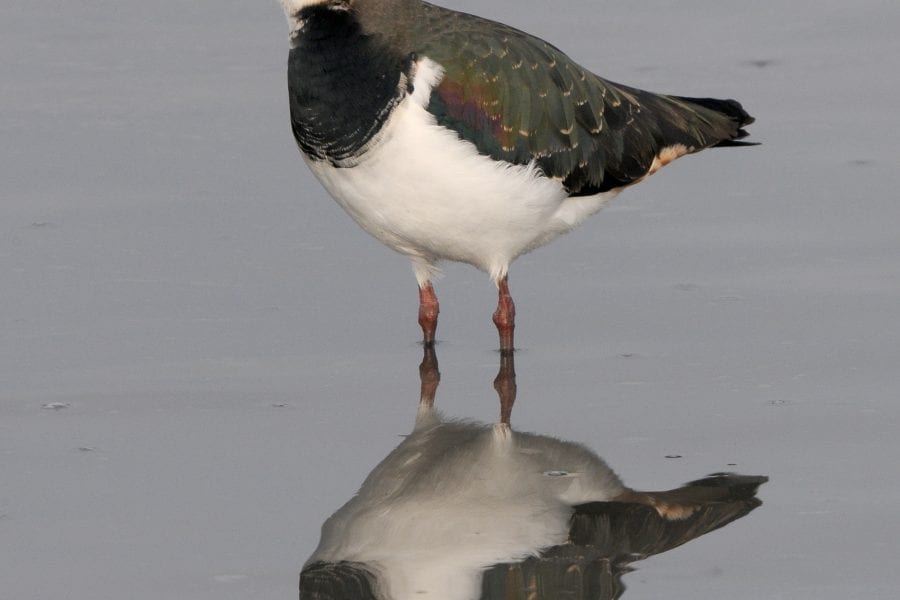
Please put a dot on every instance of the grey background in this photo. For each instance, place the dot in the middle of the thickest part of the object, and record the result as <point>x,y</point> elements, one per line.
<point>201,357</point>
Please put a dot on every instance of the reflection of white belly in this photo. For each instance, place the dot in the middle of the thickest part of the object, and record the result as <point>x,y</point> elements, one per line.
<point>455,498</point>
<point>426,193</point>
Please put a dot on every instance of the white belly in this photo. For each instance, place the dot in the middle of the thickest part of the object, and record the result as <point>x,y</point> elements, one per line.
<point>428,194</point>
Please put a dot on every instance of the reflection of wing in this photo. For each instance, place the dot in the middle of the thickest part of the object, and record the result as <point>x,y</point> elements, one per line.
<point>620,530</point>
<point>605,536</point>
<point>518,99</point>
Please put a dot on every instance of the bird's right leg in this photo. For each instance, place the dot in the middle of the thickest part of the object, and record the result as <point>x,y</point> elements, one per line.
<point>428,312</point>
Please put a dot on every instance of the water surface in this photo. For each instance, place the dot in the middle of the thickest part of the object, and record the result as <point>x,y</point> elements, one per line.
<point>203,358</point>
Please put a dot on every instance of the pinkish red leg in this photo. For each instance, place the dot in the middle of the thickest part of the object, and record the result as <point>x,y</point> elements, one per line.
<point>505,316</point>
<point>428,313</point>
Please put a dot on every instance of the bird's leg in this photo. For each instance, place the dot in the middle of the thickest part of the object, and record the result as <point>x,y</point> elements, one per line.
<point>505,316</point>
<point>428,312</point>
<point>430,377</point>
<point>505,384</point>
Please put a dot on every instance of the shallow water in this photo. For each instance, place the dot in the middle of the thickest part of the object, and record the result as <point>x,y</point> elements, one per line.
<point>203,358</point>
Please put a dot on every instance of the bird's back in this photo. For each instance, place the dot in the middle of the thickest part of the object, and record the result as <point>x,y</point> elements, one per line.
<point>519,99</point>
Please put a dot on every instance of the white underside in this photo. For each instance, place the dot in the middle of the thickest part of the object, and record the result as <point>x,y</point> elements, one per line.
<point>431,196</point>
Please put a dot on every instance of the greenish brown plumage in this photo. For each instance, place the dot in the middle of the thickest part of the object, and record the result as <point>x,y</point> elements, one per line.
<point>520,99</point>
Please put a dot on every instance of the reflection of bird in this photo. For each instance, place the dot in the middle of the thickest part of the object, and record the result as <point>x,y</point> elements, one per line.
<point>451,137</point>
<point>455,498</point>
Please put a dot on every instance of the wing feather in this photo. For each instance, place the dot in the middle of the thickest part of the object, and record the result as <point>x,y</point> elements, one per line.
<point>521,100</point>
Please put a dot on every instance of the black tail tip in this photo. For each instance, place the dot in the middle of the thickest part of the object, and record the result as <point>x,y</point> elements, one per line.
<point>729,107</point>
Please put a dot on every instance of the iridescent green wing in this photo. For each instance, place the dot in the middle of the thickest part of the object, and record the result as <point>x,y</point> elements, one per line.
<point>520,99</point>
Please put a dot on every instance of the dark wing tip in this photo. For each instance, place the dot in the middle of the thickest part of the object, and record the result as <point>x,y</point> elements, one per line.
<point>731,108</point>
<point>737,143</point>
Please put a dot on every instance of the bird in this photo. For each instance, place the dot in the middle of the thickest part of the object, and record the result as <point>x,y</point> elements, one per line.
<point>451,137</point>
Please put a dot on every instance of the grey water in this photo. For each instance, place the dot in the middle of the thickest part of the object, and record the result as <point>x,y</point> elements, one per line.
<point>202,358</point>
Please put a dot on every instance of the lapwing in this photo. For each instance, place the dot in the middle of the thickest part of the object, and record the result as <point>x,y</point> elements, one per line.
<point>450,137</point>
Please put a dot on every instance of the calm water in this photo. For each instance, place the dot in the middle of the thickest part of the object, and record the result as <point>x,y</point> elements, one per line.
<point>203,358</point>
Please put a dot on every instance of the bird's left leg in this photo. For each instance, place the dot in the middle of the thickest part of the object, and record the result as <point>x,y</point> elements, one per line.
<point>428,312</point>
<point>505,316</point>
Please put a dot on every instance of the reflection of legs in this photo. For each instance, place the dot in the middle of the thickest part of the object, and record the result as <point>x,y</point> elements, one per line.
<point>428,312</point>
<point>505,384</point>
<point>429,376</point>
<point>505,315</point>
